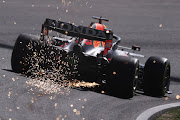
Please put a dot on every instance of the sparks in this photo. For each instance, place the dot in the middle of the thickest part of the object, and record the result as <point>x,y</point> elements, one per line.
<point>55,105</point>
<point>166,98</point>
<point>74,110</point>
<point>71,105</point>
<point>13,79</point>
<point>9,94</point>
<point>177,97</point>
<point>78,112</point>
<point>85,99</point>
<point>102,92</point>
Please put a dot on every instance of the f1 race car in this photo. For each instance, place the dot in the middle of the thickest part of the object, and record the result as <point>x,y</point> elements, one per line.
<point>94,50</point>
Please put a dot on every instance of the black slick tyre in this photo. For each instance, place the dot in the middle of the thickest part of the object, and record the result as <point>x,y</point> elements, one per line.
<point>122,76</point>
<point>156,76</point>
<point>19,63</point>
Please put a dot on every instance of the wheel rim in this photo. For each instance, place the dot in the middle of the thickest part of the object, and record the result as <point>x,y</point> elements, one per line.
<point>167,79</point>
<point>135,79</point>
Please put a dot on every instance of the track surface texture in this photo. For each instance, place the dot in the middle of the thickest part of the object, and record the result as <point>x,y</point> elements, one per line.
<point>152,24</point>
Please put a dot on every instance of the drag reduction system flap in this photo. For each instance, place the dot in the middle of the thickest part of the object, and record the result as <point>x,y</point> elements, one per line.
<point>78,31</point>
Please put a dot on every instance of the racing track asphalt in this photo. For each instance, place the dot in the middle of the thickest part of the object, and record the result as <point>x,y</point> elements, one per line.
<point>152,24</point>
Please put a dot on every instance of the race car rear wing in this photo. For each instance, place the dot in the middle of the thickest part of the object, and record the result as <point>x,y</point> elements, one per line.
<point>75,31</point>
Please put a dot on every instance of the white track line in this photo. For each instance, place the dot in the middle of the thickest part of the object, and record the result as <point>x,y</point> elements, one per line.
<point>153,112</point>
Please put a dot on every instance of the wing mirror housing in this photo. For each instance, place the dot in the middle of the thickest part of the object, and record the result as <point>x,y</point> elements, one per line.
<point>136,48</point>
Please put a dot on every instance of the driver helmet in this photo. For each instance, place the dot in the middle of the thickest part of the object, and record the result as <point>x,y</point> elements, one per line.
<point>98,26</point>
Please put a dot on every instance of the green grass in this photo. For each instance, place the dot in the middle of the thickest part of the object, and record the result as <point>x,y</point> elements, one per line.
<point>170,115</point>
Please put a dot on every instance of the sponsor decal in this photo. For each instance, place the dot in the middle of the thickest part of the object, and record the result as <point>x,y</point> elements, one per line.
<point>63,45</point>
<point>96,43</point>
<point>88,42</point>
<point>103,44</point>
<point>73,30</point>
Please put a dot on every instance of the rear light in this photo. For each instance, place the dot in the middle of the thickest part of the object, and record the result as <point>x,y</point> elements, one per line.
<point>107,31</point>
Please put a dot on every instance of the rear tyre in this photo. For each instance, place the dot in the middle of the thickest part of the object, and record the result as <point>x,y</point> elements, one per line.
<point>36,58</point>
<point>21,51</point>
<point>123,76</point>
<point>156,76</point>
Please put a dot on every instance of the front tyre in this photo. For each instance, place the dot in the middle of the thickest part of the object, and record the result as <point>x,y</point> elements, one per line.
<point>156,76</point>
